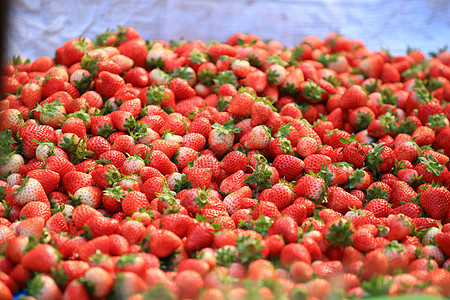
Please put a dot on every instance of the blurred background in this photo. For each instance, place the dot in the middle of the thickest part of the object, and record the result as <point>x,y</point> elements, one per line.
<point>37,27</point>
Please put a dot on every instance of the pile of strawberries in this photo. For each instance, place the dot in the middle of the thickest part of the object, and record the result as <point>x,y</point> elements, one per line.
<point>136,169</point>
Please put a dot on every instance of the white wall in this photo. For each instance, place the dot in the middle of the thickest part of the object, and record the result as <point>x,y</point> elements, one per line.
<point>38,27</point>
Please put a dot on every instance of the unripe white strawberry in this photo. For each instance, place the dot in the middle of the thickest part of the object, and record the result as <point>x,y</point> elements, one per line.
<point>123,61</point>
<point>240,67</point>
<point>173,137</point>
<point>90,195</point>
<point>30,190</point>
<point>276,74</point>
<point>68,211</point>
<point>13,165</point>
<point>14,179</point>
<point>172,178</point>
<point>78,75</point>
<point>158,76</point>
<point>44,150</point>
<point>132,165</point>
<point>428,237</point>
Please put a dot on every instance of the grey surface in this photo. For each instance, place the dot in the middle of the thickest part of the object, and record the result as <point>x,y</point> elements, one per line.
<point>38,27</point>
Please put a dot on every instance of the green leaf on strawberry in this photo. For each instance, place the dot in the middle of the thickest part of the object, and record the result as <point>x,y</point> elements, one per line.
<point>340,235</point>
<point>248,248</point>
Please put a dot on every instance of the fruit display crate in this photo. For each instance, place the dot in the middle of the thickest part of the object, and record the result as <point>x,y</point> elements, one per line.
<point>148,169</point>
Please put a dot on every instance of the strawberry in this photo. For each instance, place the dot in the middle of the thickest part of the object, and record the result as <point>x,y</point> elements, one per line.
<point>100,244</point>
<point>42,286</point>
<point>89,195</point>
<point>311,187</point>
<point>220,49</point>
<point>82,213</point>
<point>221,137</point>
<point>241,104</point>
<point>435,202</point>
<point>101,281</point>
<point>181,88</point>
<point>35,209</point>
<point>379,207</point>
<point>42,258</point>
<point>342,201</point>
<point>294,252</point>
<point>6,234</point>
<point>198,177</point>
<point>127,284</point>
<point>31,94</point>
<point>164,237</point>
<point>75,289</point>
<point>431,170</point>
<point>380,159</point>
<point>258,138</point>
<point>354,154</point>
<point>372,66</point>
<point>286,227</point>
<point>265,208</point>
<point>288,166</point>
<point>98,226</point>
<point>189,283</point>
<point>31,134</point>
<point>353,97</point>
<point>107,84</point>
<point>199,235</point>
<point>399,226</point>
<point>133,231</point>
<point>133,202</point>
<point>256,80</point>
<point>30,190</point>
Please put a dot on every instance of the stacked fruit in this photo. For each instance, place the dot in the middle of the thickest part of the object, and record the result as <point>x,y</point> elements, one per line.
<point>143,169</point>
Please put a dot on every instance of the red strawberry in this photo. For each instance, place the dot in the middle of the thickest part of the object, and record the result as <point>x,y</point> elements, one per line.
<point>98,226</point>
<point>82,213</point>
<point>101,281</point>
<point>133,202</point>
<point>199,235</point>
<point>41,259</point>
<point>133,231</point>
<point>399,227</point>
<point>107,84</point>
<point>258,138</point>
<point>40,133</point>
<point>31,94</point>
<point>311,187</point>
<point>90,195</point>
<point>221,137</point>
<point>6,234</point>
<point>353,97</point>
<point>35,209</point>
<point>127,284</point>
<point>241,104</point>
<point>136,50</point>
<point>42,286</point>
<point>342,201</point>
<point>401,192</point>
<point>91,247</point>
<point>435,202</point>
<point>286,227</point>
<point>220,49</point>
<point>372,66</point>
<point>47,178</point>
<point>294,252</point>
<point>11,119</point>
<point>379,207</point>
<point>288,166</point>
<point>181,88</point>
<point>164,242</point>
